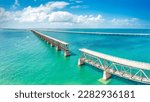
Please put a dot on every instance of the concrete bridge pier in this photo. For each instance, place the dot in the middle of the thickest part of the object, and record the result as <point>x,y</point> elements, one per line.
<point>106,75</point>
<point>67,53</point>
<point>58,48</point>
<point>52,44</point>
<point>47,42</point>
<point>80,61</point>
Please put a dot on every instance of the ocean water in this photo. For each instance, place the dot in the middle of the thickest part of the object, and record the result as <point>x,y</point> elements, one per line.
<point>25,59</point>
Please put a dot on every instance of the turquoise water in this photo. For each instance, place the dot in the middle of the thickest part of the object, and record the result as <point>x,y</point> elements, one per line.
<point>26,59</point>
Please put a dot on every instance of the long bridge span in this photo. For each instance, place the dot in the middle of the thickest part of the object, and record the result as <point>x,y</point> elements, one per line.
<point>60,45</point>
<point>128,69</point>
<point>101,33</point>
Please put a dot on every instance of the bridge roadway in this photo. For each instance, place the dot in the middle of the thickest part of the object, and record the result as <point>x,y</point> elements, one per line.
<point>128,69</point>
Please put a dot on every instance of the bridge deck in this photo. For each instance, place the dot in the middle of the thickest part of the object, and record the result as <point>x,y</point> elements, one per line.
<point>122,61</point>
<point>51,38</point>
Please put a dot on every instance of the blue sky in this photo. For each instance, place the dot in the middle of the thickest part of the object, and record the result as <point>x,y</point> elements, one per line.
<point>75,13</point>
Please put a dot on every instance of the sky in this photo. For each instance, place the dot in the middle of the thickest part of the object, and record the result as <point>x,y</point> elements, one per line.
<point>74,13</point>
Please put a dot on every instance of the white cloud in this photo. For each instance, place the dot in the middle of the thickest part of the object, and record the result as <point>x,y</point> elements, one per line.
<point>46,13</point>
<point>79,6</point>
<point>89,19</point>
<point>124,22</point>
<point>76,1</point>
<point>31,14</point>
<point>40,13</point>
<point>61,16</point>
<point>16,4</point>
<point>32,17</point>
<point>47,7</point>
<point>5,15</point>
<point>51,15</point>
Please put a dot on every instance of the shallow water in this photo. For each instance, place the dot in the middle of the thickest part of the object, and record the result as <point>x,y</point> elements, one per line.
<point>26,59</point>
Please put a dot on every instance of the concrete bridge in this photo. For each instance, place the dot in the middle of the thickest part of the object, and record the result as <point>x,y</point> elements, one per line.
<point>101,33</point>
<point>60,45</point>
<point>128,69</point>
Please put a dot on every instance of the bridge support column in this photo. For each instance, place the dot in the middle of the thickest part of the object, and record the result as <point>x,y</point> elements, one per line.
<point>106,75</point>
<point>58,48</point>
<point>67,53</point>
<point>80,61</point>
<point>52,44</point>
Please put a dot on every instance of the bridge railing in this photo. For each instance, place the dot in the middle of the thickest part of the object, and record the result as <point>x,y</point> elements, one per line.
<point>114,65</point>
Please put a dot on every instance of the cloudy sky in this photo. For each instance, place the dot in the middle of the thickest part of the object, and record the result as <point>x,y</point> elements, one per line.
<point>74,14</point>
